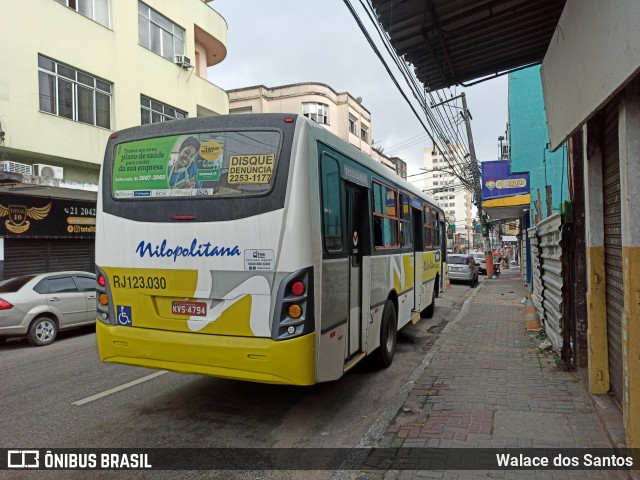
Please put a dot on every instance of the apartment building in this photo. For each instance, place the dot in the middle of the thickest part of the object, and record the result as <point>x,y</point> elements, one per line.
<point>340,113</point>
<point>394,163</point>
<point>448,190</point>
<point>81,70</point>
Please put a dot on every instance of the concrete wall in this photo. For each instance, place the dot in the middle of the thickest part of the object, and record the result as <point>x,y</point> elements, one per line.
<point>594,52</point>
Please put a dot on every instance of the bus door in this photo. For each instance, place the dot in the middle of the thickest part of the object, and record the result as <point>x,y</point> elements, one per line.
<point>418,247</point>
<point>358,240</point>
<point>443,252</point>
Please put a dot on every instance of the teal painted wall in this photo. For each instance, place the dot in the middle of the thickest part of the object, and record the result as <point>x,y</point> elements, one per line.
<point>529,136</point>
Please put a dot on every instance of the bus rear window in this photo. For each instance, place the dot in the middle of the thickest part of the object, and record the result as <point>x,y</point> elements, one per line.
<point>215,164</point>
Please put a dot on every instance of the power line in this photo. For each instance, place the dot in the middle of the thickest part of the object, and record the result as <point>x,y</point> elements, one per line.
<point>444,122</point>
<point>379,55</point>
<point>392,147</point>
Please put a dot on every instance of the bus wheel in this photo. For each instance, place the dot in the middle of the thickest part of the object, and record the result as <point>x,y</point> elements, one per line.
<point>428,312</point>
<point>388,330</point>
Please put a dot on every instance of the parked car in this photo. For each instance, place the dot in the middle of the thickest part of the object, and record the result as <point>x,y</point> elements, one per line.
<point>40,305</point>
<point>463,268</point>
<point>481,262</point>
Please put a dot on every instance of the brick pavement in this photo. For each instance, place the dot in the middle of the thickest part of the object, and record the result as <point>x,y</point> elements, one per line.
<point>489,385</point>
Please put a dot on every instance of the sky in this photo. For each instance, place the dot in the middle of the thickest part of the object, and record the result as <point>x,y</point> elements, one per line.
<point>281,42</point>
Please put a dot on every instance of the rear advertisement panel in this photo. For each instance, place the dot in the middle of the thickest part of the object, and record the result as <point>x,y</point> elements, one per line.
<point>213,163</point>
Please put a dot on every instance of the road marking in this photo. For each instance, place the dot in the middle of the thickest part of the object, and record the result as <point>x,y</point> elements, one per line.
<point>117,389</point>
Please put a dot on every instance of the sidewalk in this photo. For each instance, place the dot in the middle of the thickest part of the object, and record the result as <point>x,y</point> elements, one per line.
<point>486,384</point>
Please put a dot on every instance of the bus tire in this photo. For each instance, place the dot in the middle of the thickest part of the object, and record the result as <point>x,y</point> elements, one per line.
<point>388,330</point>
<point>429,311</point>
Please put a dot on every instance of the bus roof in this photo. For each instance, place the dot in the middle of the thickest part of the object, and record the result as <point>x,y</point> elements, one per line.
<point>367,161</point>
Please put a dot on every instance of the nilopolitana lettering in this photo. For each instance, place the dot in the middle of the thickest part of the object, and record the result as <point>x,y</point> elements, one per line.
<point>196,249</point>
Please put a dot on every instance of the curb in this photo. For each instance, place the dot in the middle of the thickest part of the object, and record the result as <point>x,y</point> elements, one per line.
<point>380,425</point>
<point>378,428</point>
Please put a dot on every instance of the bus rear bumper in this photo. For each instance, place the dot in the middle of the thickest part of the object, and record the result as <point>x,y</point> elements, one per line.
<point>289,362</point>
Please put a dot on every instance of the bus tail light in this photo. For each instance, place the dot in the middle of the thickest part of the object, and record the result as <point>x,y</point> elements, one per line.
<point>297,288</point>
<point>294,313</point>
<point>104,308</point>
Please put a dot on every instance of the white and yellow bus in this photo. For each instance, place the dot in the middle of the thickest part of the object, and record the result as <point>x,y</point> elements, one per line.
<point>258,247</point>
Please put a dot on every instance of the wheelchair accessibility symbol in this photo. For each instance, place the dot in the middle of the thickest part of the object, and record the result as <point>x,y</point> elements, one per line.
<point>124,315</point>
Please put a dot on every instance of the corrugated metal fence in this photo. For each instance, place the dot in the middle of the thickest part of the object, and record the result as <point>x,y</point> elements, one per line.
<point>546,253</point>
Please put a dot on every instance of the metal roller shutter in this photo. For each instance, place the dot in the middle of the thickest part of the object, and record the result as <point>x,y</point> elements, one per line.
<point>30,255</point>
<point>613,248</point>
<point>71,255</point>
<point>23,256</point>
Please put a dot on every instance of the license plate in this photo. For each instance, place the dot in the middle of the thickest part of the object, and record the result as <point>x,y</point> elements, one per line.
<point>198,309</point>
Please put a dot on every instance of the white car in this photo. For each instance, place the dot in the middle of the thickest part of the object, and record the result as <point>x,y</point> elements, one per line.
<point>481,262</point>
<point>39,305</point>
<point>462,267</point>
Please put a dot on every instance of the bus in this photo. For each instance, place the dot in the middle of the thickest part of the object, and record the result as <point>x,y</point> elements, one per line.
<point>258,247</point>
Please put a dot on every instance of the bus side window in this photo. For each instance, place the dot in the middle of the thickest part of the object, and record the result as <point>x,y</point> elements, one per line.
<point>377,231</point>
<point>428,237</point>
<point>405,222</point>
<point>435,234</point>
<point>385,216</point>
<point>331,204</point>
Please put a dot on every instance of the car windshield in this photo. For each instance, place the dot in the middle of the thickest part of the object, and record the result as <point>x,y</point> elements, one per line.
<point>479,256</point>
<point>456,260</point>
<point>14,284</point>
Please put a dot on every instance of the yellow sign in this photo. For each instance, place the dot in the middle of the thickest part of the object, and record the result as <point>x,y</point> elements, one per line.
<point>251,168</point>
<point>210,150</point>
<point>512,183</point>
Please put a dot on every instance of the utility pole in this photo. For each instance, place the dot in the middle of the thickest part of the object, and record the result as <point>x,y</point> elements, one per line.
<point>477,183</point>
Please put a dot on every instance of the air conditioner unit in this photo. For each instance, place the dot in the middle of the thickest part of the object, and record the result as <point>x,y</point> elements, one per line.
<point>182,60</point>
<point>50,171</point>
<point>15,167</point>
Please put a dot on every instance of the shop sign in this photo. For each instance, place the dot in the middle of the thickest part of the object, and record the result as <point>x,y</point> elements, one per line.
<point>498,180</point>
<point>22,216</point>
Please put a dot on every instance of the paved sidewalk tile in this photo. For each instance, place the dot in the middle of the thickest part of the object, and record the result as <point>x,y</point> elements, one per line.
<point>488,385</point>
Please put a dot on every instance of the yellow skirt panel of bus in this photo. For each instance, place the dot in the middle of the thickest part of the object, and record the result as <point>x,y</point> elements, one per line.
<point>290,362</point>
